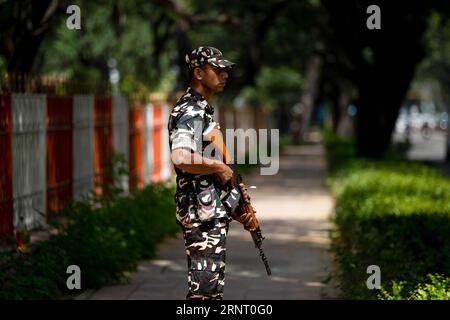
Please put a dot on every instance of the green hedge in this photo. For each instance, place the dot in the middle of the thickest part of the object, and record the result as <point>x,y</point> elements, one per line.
<point>104,242</point>
<point>436,287</point>
<point>391,213</point>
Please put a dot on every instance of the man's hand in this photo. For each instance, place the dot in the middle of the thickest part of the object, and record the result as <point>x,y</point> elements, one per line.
<point>246,218</point>
<point>224,174</point>
<point>244,193</point>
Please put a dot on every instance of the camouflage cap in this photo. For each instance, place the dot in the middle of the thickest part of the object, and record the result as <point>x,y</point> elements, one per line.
<point>207,55</point>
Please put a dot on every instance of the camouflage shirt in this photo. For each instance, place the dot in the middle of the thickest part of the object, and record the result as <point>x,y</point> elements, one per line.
<point>197,197</point>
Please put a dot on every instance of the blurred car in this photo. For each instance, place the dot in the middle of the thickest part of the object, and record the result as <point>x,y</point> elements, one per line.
<point>415,120</point>
<point>443,121</point>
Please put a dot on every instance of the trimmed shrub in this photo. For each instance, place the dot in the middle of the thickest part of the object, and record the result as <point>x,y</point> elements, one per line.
<point>392,213</point>
<point>436,288</point>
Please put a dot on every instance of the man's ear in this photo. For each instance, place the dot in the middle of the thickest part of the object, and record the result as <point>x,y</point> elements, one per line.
<point>198,74</point>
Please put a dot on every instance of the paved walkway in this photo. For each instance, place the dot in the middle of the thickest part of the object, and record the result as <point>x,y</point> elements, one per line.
<point>293,208</point>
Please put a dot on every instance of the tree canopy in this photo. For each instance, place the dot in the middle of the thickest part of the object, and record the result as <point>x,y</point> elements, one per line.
<point>287,51</point>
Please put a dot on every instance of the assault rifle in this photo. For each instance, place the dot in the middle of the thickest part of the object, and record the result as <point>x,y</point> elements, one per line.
<point>215,136</point>
<point>254,228</point>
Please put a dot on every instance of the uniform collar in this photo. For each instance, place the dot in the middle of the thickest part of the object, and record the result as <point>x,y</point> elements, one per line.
<point>195,94</point>
<point>201,101</point>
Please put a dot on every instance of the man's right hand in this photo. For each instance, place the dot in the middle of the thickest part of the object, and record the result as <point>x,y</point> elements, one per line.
<point>246,218</point>
<point>224,174</point>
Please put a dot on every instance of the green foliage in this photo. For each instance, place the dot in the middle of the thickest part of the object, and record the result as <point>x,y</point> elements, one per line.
<point>251,97</point>
<point>437,41</point>
<point>279,86</point>
<point>105,237</point>
<point>285,140</point>
<point>129,33</point>
<point>433,71</point>
<point>436,288</point>
<point>339,151</point>
<point>149,39</point>
<point>274,87</point>
<point>276,80</point>
<point>394,214</point>
<point>38,274</point>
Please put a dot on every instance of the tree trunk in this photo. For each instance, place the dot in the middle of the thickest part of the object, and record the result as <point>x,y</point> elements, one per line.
<point>380,63</point>
<point>21,40</point>
<point>313,70</point>
<point>329,93</point>
<point>380,99</point>
<point>183,47</point>
<point>345,124</point>
<point>373,131</point>
<point>283,119</point>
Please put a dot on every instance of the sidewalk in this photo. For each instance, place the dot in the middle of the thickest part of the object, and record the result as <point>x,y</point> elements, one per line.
<point>293,208</point>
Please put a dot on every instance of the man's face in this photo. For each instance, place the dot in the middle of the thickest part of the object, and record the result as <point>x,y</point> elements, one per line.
<point>214,78</point>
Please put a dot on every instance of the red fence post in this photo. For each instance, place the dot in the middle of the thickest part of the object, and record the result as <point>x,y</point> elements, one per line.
<point>6,192</point>
<point>136,134</point>
<point>59,153</point>
<point>158,123</point>
<point>103,147</point>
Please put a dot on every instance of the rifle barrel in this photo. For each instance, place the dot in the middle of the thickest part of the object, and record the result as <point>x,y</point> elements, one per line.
<point>266,263</point>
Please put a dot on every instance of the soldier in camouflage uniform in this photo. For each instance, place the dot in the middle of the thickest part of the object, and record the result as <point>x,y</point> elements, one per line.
<point>200,179</point>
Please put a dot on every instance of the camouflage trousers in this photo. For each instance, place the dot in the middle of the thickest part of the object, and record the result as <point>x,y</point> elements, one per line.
<point>205,245</point>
